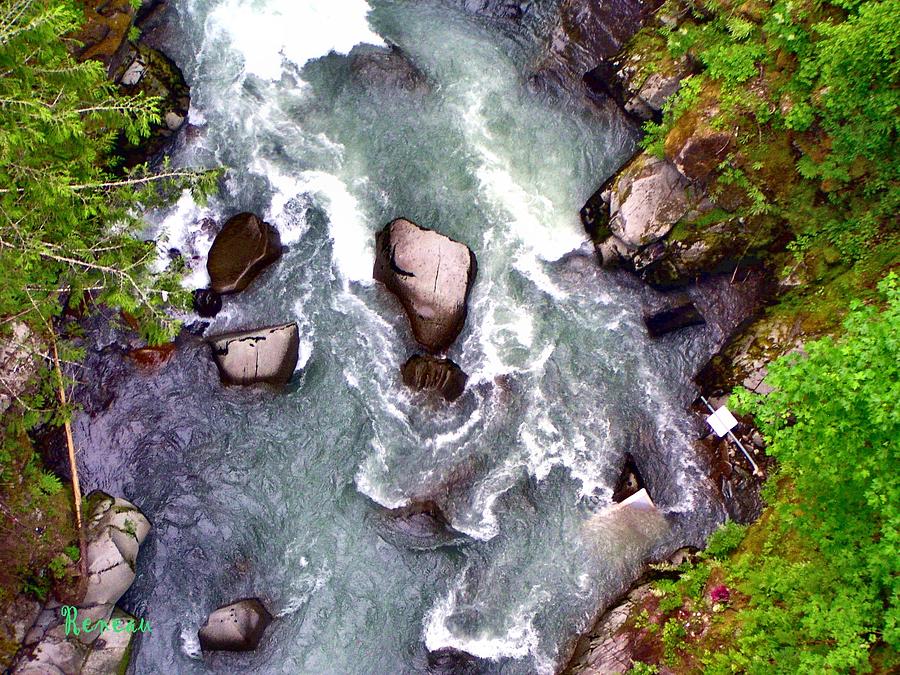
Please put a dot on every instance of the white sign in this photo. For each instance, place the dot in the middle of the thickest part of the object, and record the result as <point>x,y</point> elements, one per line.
<point>722,421</point>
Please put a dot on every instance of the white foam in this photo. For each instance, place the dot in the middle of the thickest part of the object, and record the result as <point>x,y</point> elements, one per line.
<point>353,250</point>
<point>518,641</point>
<point>270,33</point>
<point>190,643</point>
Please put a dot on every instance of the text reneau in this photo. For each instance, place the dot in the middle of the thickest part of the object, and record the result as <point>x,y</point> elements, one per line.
<point>115,625</point>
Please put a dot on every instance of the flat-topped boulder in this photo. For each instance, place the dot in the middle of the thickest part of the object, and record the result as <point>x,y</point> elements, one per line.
<point>237,627</point>
<point>431,275</point>
<point>266,354</point>
<point>430,373</point>
<point>245,246</point>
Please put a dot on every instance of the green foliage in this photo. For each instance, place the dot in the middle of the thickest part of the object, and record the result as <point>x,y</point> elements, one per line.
<point>67,216</point>
<point>725,540</point>
<point>673,635</point>
<point>677,105</point>
<point>49,483</point>
<point>641,668</point>
<point>833,422</point>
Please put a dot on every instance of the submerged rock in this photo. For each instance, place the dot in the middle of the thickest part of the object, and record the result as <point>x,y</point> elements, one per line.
<point>431,275</point>
<point>237,627</point>
<point>207,303</point>
<point>440,375</point>
<point>245,246</point>
<point>267,354</point>
<point>152,357</point>
<point>673,318</point>
<point>421,525</point>
<point>387,68</point>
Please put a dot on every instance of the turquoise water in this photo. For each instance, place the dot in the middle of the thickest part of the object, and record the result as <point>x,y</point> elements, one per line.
<point>281,495</point>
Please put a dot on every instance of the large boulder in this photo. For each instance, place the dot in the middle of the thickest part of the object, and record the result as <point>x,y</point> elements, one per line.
<point>262,355</point>
<point>680,315</point>
<point>648,198</point>
<point>115,530</point>
<point>431,275</point>
<point>237,627</point>
<point>245,246</point>
<point>430,373</point>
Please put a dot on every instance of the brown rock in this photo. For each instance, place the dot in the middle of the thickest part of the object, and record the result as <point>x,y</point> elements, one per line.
<point>263,355</point>
<point>430,373</point>
<point>702,153</point>
<point>237,627</point>
<point>431,275</point>
<point>152,357</point>
<point>245,246</point>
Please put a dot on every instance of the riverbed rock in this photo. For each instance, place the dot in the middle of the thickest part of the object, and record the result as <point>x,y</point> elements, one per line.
<point>649,196</point>
<point>245,246</point>
<point>115,530</point>
<point>266,354</point>
<point>237,627</point>
<point>386,68</point>
<point>104,34</point>
<point>421,525</point>
<point>150,358</point>
<point>431,275</point>
<point>430,373</point>
<point>207,303</point>
<point>630,480</point>
<point>676,317</point>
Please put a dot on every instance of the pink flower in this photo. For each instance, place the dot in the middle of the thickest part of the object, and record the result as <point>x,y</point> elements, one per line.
<point>720,593</point>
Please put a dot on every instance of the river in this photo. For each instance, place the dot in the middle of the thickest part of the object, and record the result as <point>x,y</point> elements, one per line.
<point>280,494</point>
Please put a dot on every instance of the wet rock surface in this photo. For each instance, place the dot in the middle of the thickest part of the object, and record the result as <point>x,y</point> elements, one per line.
<point>206,302</point>
<point>682,314</point>
<point>266,355</point>
<point>439,375</point>
<point>431,275</point>
<point>386,69</point>
<point>244,247</point>
<point>421,525</point>
<point>115,531</point>
<point>237,627</point>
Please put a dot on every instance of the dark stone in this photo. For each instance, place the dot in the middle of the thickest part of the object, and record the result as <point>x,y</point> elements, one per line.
<point>507,10</point>
<point>595,214</point>
<point>207,303</point>
<point>245,246</point>
<point>237,627</point>
<point>630,480</point>
<point>263,355</point>
<point>431,275</point>
<point>674,318</point>
<point>387,68</point>
<point>421,526</point>
<point>449,661</point>
<point>430,373</point>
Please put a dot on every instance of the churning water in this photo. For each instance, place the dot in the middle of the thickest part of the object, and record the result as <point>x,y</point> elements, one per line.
<point>280,495</point>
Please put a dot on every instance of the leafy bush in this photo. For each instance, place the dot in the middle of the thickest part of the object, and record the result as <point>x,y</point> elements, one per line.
<point>725,540</point>
<point>824,591</point>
